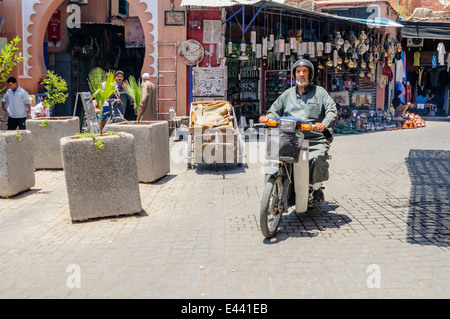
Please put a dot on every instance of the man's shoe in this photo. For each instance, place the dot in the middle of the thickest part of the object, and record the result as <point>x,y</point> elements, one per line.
<point>319,196</point>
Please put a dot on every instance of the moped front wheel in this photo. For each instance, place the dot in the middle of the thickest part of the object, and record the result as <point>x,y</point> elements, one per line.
<point>271,206</point>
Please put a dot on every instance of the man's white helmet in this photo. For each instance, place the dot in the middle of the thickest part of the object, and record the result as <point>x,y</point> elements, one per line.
<point>307,63</point>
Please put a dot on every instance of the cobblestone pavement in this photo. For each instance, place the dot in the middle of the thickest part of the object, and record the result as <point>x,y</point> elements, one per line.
<point>380,234</point>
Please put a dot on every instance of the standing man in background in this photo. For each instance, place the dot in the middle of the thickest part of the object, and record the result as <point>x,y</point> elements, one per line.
<point>17,103</point>
<point>148,103</point>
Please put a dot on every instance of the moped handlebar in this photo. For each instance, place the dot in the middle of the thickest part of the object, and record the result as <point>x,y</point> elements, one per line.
<point>300,124</point>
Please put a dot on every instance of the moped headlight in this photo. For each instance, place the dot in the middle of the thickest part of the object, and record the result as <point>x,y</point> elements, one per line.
<point>287,126</point>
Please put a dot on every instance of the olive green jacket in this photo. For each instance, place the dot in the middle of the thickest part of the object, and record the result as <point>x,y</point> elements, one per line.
<point>314,105</point>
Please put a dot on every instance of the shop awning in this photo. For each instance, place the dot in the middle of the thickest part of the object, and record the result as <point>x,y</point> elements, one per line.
<point>379,22</point>
<point>426,30</point>
<point>280,7</point>
<point>217,3</point>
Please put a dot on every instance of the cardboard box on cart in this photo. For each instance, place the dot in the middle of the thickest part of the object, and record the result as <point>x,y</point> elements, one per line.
<point>215,133</point>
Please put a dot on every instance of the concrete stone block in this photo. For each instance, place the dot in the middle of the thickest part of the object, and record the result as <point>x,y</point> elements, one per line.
<point>16,158</point>
<point>46,139</point>
<point>152,147</point>
<point>103,182</point>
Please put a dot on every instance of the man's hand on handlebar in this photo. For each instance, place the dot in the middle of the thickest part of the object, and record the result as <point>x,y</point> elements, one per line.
<point>319,127</point>
<point>263,119</point>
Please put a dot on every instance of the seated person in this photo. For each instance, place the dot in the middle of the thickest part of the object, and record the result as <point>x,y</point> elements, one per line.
<point>39,110</point>
<point>399,106</point>
<point>432,97</point>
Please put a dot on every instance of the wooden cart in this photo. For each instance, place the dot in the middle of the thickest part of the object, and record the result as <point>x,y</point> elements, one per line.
<point>214,134</point>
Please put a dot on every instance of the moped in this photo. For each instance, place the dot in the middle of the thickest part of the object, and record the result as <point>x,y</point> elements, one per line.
<point>287,175</point>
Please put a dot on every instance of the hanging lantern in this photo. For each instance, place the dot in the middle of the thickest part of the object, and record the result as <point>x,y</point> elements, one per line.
<point>230,47</point>
<point>253,40</point>
<point>351,37</point>
<point>253,36</point>
<point>329,63</point>
<point>346,60</point>
<point>350,64</point>
<point>264,47</point>
<point>258,51</point>
<point>281,45</point>
<point>339,41</point>
<point>347,45</point>
<point>243,56</point>
<point>271,42</point>
<point>304,48</point>
<point>292,44</point>
<point>363,36</point>
<point>295,48</point>
<point>327,48</point>
<point>311,48</point>
<point>319,48</point>
<point>287,49</point>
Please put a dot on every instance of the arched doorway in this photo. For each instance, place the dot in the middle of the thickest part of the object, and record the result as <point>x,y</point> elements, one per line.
<point>37,13</point>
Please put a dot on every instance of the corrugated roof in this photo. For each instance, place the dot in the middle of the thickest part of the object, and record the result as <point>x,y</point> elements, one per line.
<point>217,3</point>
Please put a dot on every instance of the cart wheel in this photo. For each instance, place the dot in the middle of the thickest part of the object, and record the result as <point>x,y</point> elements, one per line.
<point>189,152</point>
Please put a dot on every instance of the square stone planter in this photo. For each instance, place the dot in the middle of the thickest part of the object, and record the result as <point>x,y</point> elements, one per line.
<point>101,182</point>
<point>152,147</point>
<point>16,158</point>
<point>46,139</point>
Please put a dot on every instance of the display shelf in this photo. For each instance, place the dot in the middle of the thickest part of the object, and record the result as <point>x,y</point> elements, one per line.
<point>277,81</point>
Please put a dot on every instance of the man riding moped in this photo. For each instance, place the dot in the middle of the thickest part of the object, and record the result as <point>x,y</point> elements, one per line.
<point>308,103</point>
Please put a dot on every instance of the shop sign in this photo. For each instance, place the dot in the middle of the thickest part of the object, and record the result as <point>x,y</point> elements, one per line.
<point>134,33</point>
<point>209,81</point>
<point>212,31</point>
<point>191,52</point>
<point>54,30</point>
<point>174,18</point>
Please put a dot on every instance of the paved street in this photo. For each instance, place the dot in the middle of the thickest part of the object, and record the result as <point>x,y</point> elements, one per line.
<point>380,234</point>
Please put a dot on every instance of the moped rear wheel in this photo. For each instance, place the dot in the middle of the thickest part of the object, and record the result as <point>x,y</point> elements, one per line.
<point>271,206</point>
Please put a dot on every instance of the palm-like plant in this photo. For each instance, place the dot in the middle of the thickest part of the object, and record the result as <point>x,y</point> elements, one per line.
<point>134,90</point>
<point>101,84</point>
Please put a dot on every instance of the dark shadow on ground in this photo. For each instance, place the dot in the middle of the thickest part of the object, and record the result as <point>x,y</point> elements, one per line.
<point>220,169</point>
<point>309,224</point>
<point>429,206</point>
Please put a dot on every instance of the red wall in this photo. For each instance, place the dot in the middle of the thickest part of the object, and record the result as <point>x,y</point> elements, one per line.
<point>197,34</point>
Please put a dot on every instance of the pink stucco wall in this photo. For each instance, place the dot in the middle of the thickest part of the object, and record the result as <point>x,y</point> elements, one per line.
<point>95,11</point>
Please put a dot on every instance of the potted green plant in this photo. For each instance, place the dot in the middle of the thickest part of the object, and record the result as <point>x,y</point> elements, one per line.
<point>102,87</point>
<point>100,169</point>
<point>151,139</point>
<point>47,131</point>
<point>16,169</point>
<point>10,56</point>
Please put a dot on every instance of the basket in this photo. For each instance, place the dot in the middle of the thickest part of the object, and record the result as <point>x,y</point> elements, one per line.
<point>283,146</point>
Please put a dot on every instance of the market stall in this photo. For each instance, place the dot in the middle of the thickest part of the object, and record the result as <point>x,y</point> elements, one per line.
<point>261,40</point>
<point>427,77</point>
